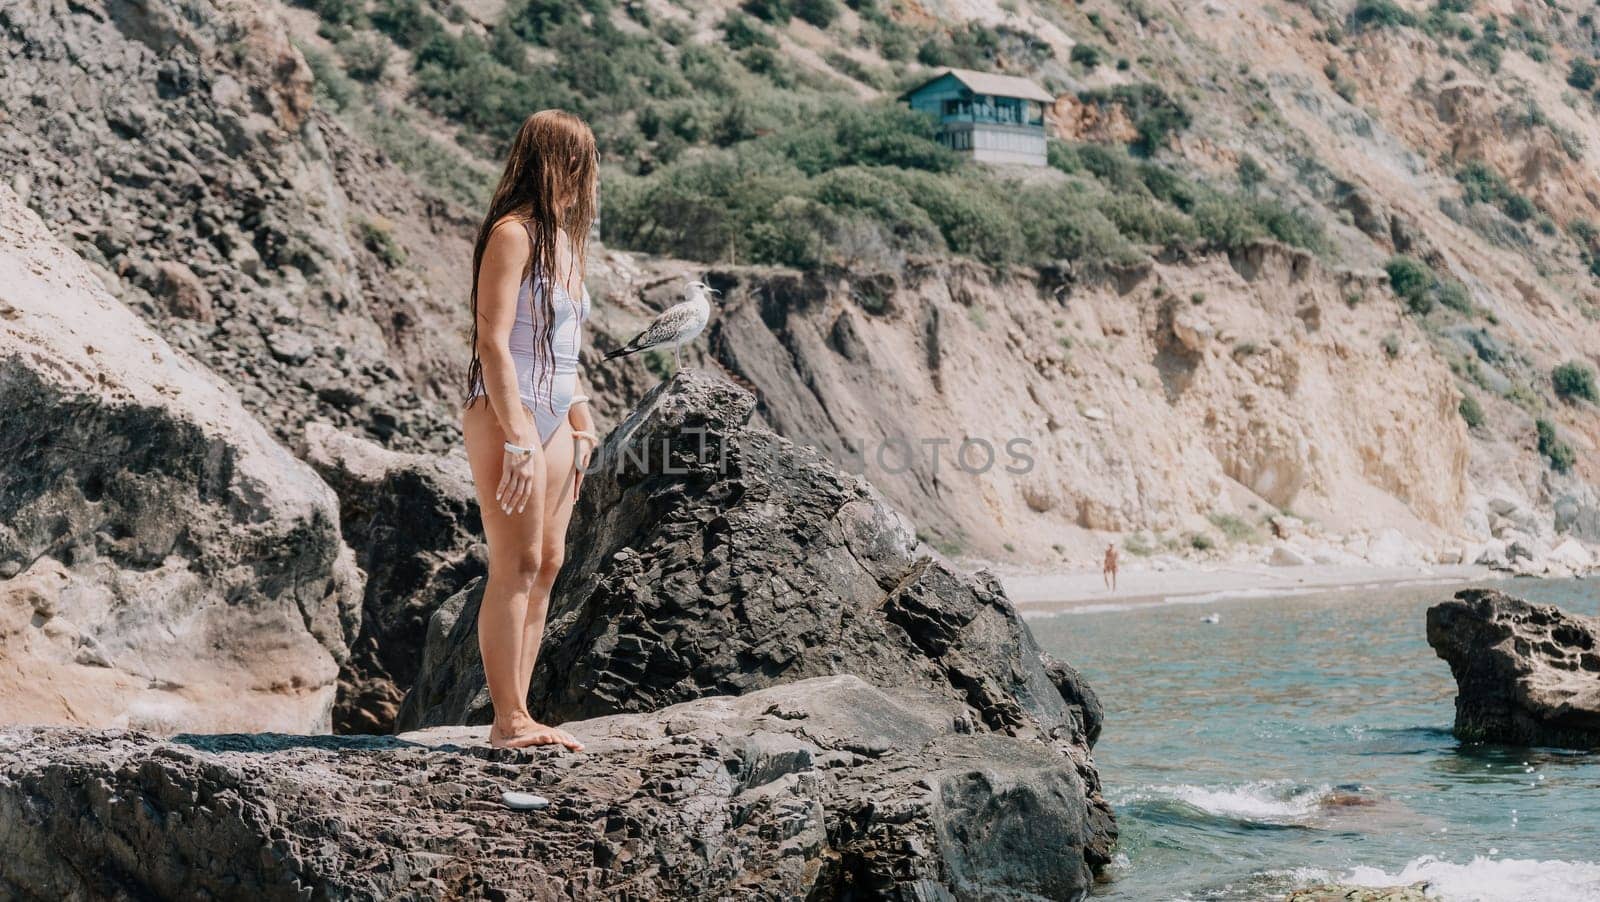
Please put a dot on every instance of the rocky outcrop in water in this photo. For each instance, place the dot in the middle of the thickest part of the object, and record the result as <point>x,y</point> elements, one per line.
<point>1526,674</point>
<point>825,788</point>
<point>163,562</point>
<point>412,520</point>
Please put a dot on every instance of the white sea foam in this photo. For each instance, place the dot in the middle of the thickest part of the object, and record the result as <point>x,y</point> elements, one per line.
<point>1264,801</point>
<point>1492,879</point>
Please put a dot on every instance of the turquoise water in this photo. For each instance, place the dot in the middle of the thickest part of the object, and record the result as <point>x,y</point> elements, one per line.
<point>1305,739</point>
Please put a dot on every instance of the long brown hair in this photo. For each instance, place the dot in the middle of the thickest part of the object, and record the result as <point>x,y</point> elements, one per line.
<point>552,159</point>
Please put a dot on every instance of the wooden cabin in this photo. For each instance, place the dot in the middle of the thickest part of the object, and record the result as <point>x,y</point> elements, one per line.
<point>990,118</point>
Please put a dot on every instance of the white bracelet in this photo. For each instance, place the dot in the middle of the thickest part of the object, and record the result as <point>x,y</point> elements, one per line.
<point>517,450</point>
<point>579,399</point>
<point>584,435</point>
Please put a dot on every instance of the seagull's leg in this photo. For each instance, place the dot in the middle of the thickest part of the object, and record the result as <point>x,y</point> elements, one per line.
<point>677,359</point>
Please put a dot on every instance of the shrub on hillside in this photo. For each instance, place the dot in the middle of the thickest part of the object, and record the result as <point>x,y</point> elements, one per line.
<point>1582,75</point>
<point>1574,380</point>
<point>1412,281</point>
<point>820,13</point>
<point>1558,452</point>
<point>365,56</point>
<point>1454,295</point>
<point>1380,14</point>
<point>1086,55</point>
<point>1471,411</point>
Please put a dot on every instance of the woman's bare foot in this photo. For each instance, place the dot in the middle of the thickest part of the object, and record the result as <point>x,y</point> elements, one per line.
<point>521,731</point>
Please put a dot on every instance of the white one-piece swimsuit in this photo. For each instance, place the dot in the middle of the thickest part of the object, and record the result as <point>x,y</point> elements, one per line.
<point>565,341</point>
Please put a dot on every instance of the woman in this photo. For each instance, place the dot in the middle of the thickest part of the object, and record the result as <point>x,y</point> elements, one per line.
<point>528,433</point>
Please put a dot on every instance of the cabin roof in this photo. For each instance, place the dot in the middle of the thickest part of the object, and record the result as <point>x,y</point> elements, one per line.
<point>990,83</point>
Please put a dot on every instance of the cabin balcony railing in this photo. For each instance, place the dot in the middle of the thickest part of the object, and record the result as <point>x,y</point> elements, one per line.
<point>992,116</point>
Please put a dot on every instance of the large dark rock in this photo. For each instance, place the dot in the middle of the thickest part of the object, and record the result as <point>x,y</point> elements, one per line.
<point>1526,674</point>
<point>412,520</point>
<point>709,557</point>
<point>821,789</point>
<point>163,562</point>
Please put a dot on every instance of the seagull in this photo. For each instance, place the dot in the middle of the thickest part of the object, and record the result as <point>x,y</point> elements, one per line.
<point>677,325</point>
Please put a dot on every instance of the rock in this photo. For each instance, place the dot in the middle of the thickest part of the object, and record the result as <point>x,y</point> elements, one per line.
<point>1572,554</point>
<point>708,557</point>
<point>1492,554</point>
<point>1417,892</point>
<point>1284,556</point>
<point>1285,526</point>
<point>825,788</point>
<point>1390,548</point>
<point>1526,674</point>
<point>183,292</point>
<point>412,520</point>
<point>289,346</point>
<point>198,564</point>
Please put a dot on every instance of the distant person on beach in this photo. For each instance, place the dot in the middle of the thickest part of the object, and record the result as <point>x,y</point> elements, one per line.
<point>1108,570</point>
<point>528,432</point>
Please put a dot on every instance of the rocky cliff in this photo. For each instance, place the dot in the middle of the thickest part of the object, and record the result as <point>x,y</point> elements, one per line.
<point>163,562</point>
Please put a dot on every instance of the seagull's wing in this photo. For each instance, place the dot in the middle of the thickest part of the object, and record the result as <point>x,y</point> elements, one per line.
<point>673,322</point>
<point>668,327</point>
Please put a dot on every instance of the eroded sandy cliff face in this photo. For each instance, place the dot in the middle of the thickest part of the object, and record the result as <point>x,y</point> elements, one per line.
<point>1040,414</point>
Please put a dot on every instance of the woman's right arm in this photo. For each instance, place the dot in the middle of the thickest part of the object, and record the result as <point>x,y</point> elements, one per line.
<point>499,280</point>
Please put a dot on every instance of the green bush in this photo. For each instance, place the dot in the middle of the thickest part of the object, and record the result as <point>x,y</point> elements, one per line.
<point>1412,281</point>
<point>820,13</point>
<point>742,32</point>
<point>1582,74</point>
<point>1379,14</point>
<point>1251,173</point>
<point>778,12</point>
<point>1454,295</point>
<point>1558,452</point>
<point>1086,55</point>
<point>378,237</point>
<point>328,81</point>
<point>1062,156</point>
<point>364,57</point>
<point>408,22</point>
<point>1574,380</point>
<point>1471,411</point>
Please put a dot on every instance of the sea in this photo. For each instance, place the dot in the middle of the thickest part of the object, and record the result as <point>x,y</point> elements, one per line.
<point>1305,739</point>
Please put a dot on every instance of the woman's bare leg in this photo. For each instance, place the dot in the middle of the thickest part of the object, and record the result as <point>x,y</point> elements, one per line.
<point>558,503</point>
<point>515,541</point>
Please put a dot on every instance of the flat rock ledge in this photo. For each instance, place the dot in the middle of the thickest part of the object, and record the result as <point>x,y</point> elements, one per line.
<point>822,788</point>
<point>1526,674</point>
<point>1417,892</point>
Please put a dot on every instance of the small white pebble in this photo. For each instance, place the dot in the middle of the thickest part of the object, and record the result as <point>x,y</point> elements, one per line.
<point>1541,776</point>
<point>524,801</point>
